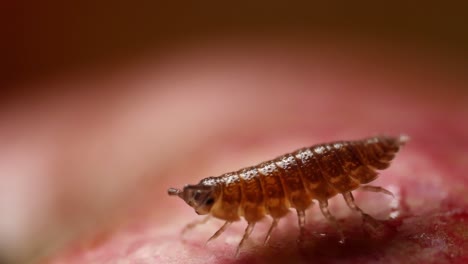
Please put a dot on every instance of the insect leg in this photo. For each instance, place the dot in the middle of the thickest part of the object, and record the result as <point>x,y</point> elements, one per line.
<point>274,224</point>
<point>247,233</point>
<point>332,219</point>
<point>371,188</point>
<point>371,225</point>
<point>301,222</point>
<point>219,232</point>
<point>348,196</point>
<point>193,224</point>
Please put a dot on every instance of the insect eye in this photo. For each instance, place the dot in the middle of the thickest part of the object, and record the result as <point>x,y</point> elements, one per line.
<point>209,201</point>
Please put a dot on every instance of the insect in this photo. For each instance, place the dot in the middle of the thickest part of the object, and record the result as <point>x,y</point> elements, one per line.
<point>292,180</point>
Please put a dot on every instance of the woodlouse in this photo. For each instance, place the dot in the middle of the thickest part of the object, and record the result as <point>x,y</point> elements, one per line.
<point>292,180</point>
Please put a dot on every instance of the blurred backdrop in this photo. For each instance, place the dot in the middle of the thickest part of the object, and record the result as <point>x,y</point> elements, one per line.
<point>100,98</point>
<point>43,39</point>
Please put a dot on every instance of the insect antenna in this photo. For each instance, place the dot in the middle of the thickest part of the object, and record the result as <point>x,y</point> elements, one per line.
<point>174,191</point>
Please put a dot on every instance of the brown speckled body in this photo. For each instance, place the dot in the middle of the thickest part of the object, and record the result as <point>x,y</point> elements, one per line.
<point>293,180</point>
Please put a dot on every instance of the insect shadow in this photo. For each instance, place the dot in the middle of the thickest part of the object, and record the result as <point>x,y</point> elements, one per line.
<point>322,248</point>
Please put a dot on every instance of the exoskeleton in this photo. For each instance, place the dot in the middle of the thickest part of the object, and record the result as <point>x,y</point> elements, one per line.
<point>292,180</point>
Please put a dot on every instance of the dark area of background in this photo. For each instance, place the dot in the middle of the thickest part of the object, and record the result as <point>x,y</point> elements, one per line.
<point>43,39</point>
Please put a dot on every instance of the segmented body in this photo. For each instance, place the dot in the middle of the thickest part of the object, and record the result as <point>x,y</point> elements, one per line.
<point>294,179</point>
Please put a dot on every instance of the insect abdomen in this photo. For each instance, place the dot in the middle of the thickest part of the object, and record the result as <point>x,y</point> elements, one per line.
<point>294,179</point>
<point>343,166</point>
